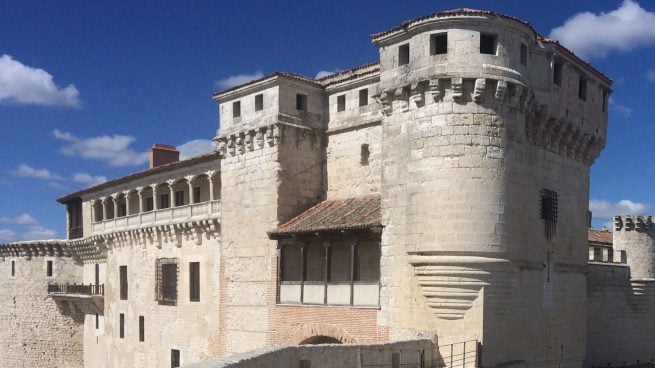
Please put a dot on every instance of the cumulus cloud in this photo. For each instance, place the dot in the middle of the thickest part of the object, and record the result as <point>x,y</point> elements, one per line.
<point>602,209</point>
<point>237,80</point>
<point>595,35</point>
<point>22,84</point>
<point>116,149</point>
<point>26,171</point>
<point>88,179</point>
<point>621,109</point>
<point>24,227</point>
<point>325,73</point>
<point>23,219</point>
<point>195,147</point>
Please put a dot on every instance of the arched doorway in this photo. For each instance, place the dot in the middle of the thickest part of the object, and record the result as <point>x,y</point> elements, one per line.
<point>321,339</point>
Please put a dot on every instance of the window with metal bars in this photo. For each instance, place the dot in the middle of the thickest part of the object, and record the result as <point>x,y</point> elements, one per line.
<point>548,202</point>
<point>166,277</point>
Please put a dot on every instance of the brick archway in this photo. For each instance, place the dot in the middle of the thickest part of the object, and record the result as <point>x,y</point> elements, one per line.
<point>308,332</point>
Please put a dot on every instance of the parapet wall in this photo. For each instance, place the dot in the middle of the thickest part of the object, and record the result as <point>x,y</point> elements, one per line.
<point>35,330</point>
<point>636,236</point>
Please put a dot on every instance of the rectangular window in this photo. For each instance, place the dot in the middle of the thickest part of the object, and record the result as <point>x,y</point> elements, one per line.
<point>605,100</point>
<point>194,281</point>
<point>367,262</point>
<point>524,54</point>
<point>167,281</point>
<point>301,102</point>
<point>236,109</point>
<point>403,54</point>
<point>49,268</point>
<point>121,325</point>
<point>363,97</point>
<point>488,44</point>
<point>196,195</point>
<point>259,102</point>
<point>179,198</point>
<point>97,321</point>
<point>97,278</point>
<point>291,263</point>
<point>122,273</point>
<point>365,153</point>
<point>13,268</point>
<point>164,201</point>
<point>582,88</point>
<point>341,103</point>
<point>149,204</point>
<point>438,44</point>
<point>548,201</point>
<point>557,72</point>
<point>142,331</point>
<point>175,358</point>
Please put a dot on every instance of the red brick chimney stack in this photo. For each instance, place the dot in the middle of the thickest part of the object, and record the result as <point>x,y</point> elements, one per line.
<point>162,154</point>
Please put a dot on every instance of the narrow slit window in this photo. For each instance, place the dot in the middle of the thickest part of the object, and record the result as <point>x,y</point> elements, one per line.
<point>301,102</point>
<point>403,54</point>
<point>582,88</point>
<point>549,203</point>
<point>363,97</point>
<point>194,281</point>
<point>438,44</point>
<point>49,268</point>
<point>259,102</point>
<point>122,273</point>
<point>524,54</point>
<point>236,109</point>
<point>488,44</point>
<point>175,358</point>
<point>97,321</point>
<point>557,72</point>
<point>142,329</point>
<point>341,103</point>
<point>121,325</point>
<point>13,268</point>
<point>365,153</point>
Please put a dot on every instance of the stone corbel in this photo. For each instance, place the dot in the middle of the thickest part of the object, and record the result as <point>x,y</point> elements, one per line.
<point>241,144</point>
<point>435,89</point>
<point>456,85</point>
<point>259,137</point>
<point>401,97</point>
<point>278,134</point>
<point>231,145</point>
<point>479,90</point>
<point>385,103</point>
<point>316,141</point>
<point>249,142</point>
<point>417,95</point>
<point>501,90</point>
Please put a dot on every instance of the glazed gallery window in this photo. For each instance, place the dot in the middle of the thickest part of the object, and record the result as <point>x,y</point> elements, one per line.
<point>166,280</point>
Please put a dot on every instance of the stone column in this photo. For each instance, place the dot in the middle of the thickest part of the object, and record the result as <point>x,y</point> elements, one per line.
<point>127,202</point>
<point>189,179</point>
<point>139,192</point>
<point>171,199</point>
<point>93,211</point>
<point>155,205</point>
<point>210,177</point>
<point>104,208</point>
<point>114,198</point>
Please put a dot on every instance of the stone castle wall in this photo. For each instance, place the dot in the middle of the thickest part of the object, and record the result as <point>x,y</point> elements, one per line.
<point>37,331</point>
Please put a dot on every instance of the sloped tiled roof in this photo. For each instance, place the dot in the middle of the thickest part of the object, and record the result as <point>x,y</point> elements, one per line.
<point>333,215</point>
<point>603,237</point>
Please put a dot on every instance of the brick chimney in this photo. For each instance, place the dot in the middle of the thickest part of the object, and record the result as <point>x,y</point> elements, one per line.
<point>162,154</point>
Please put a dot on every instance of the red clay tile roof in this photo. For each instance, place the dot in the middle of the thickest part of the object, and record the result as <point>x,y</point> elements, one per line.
<point>333,215</point>
<point>603,237</point>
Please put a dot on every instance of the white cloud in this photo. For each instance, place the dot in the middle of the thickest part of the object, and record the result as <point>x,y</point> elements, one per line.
<point>621,109</point>
<point>24,227</point>
<point>237,80</point>
<point>595,35</point>
<point>26,171</point>
<point>325,73</point>
<point>23,219</point>
<point>115,149</point>
<point>602,209</point>
<point>88,179</point>
<point>195,147</point>
<point>7,235</point>
<point>22,84</point>
<point>38,232</point>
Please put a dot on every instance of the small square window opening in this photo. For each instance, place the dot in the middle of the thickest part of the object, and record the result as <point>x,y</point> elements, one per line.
<point>259,102</point>
<point>438,44</point>
<point>341,103</point>
<point>363,97</point>
<point>301,102</point>
<point>488,44</point>
<point>403,54</point>
<point>236,109</point>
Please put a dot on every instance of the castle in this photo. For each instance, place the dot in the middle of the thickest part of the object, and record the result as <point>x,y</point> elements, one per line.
<point>440,193</point>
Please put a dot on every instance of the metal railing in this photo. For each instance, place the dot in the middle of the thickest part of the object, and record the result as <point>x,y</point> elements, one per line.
<point>81,289</point>
<point>458,355</point>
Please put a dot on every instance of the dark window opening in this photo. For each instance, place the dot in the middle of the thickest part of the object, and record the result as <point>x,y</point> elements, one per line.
<point>606,95</point>
<point>196,195</point>
<point>179,198</point>
<point>363,97</point>
<point>291,267</point>
<point>582,88</point>
<point>13,268</point>
<point>301,102</point>
<point>122,274</point>
<point>97,274</point>
<point>438,44</point>
<point>122,210</point>
<point>259,102</point>
<point>236,109</point>
<point>75,220</point>
<point>364,154</point>
<point>341,103</point>
<point>403,54</point>
<point>142,332</point>
<point>149,204</point>
<point>557,72</point>
<point>549,212</point>
<point>367,262</point>
<point>97,321</point>
<point>121,325</point>
<point>488,44</point>
<point>194,281</point>
<point>164,201</point>
<point>167,281</point>
<point>524,54</point>
<point>175,358</point>
<point>49,268</point>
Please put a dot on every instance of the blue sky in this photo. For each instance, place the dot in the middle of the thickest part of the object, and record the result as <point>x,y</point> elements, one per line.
<point>87,87</point>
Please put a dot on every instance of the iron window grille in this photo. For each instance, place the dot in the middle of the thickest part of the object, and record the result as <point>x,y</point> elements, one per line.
<point>548,203</point>
<point>166,280</point>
